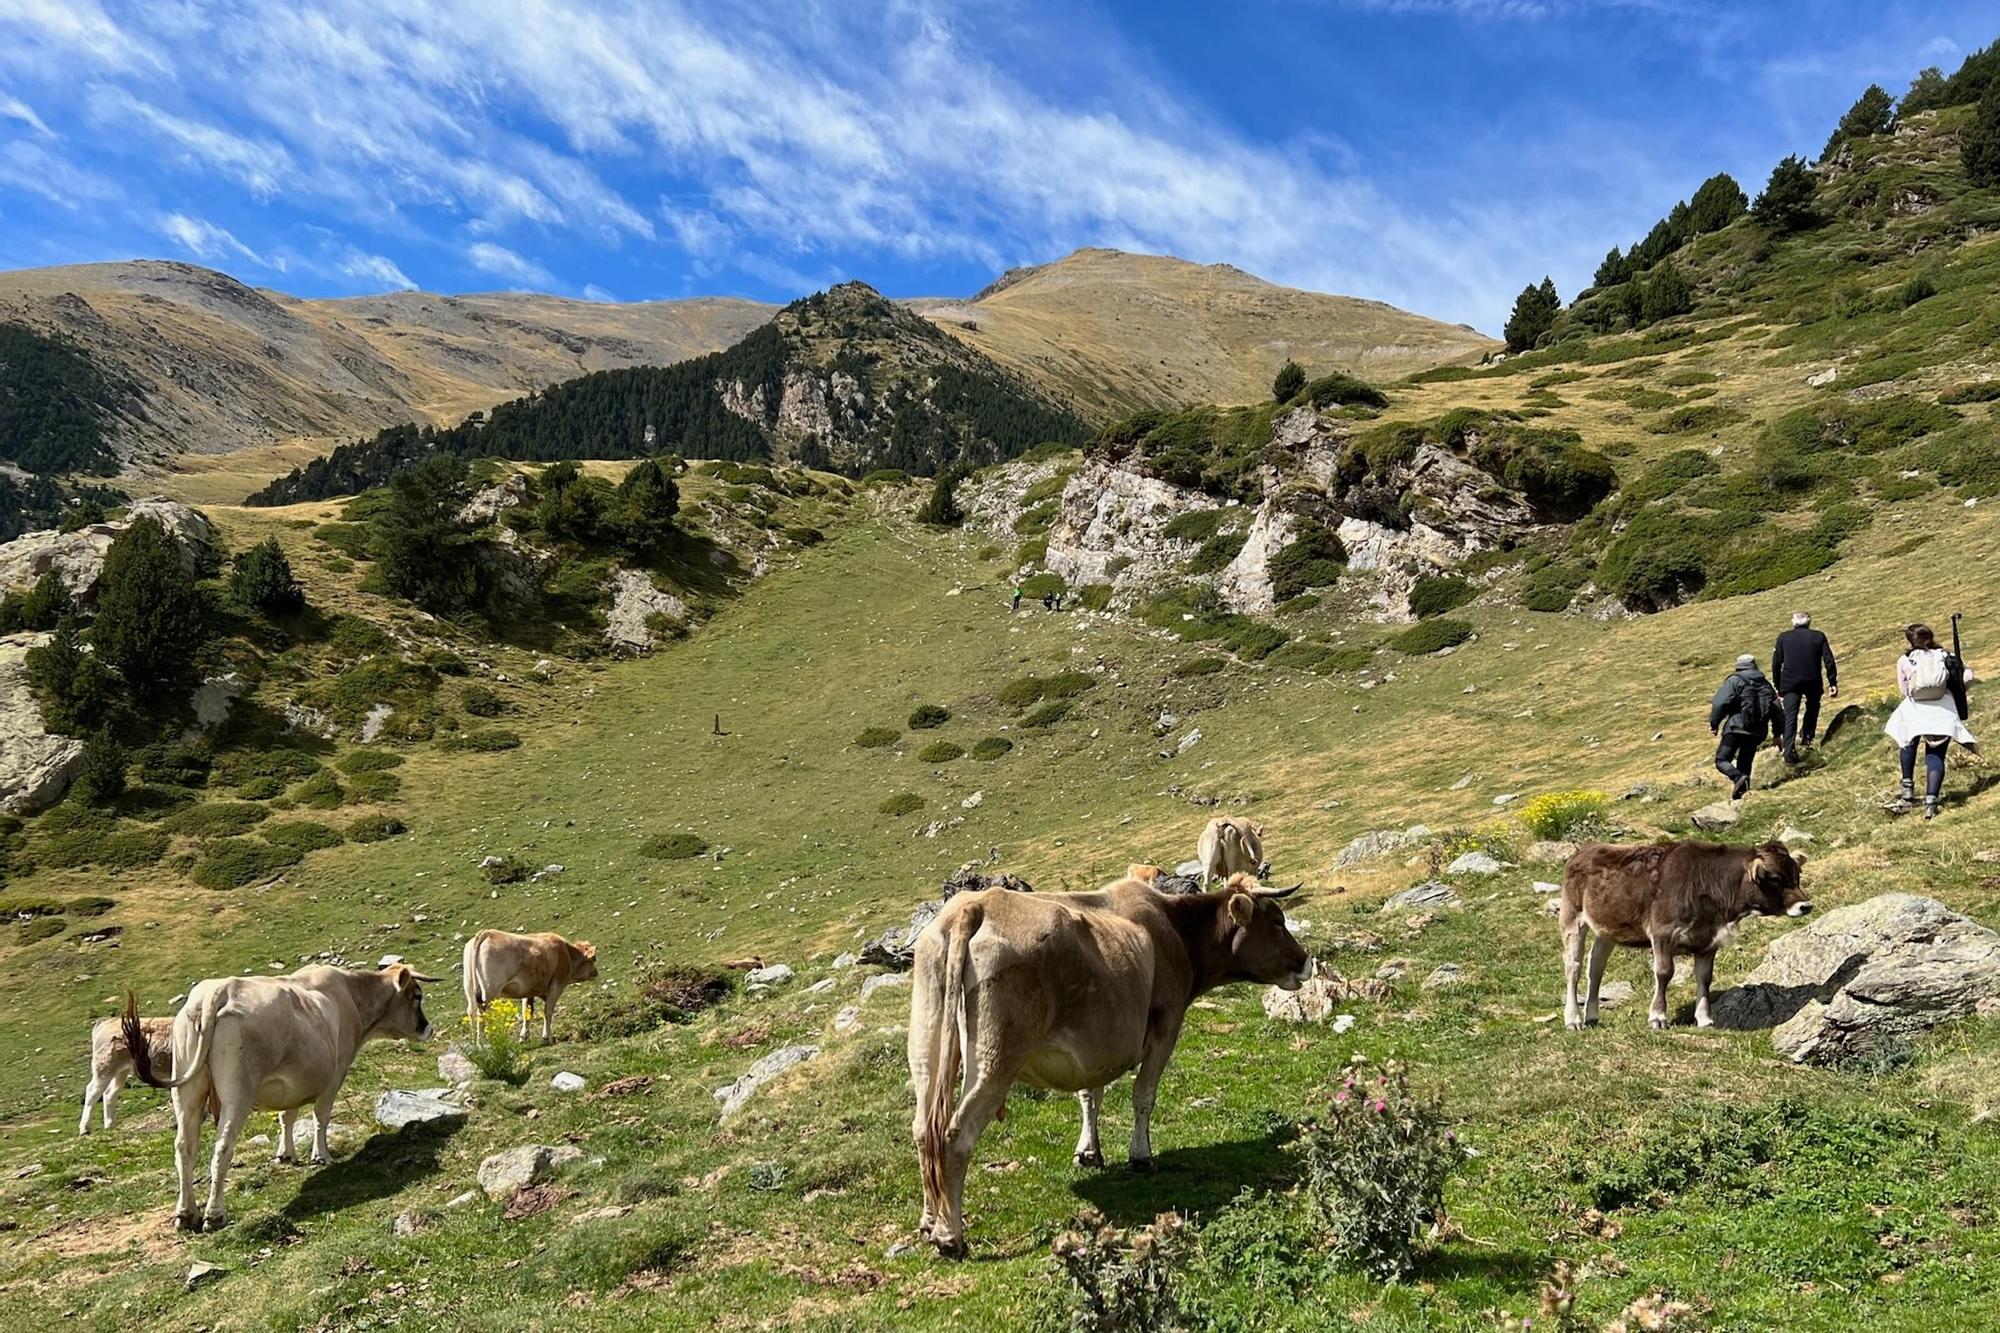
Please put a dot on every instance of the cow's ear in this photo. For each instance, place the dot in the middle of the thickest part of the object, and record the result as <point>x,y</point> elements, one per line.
<point>1799,859</point>
<point>1241,909</point>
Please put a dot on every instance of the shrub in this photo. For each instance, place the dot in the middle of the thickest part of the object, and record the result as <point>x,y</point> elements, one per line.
<point>940,752</point>
<point>232,863</point>
<point>1293,606</point>
<point>1313,559</point>
<point>260,789</point>
<point>1921,287</point>
<point>1196,525</point>
<point>261,580</point>
<point>941,510</point>
<point>1435,596</point>
<point>490,740</point>
<point>902,803</point>
<point>874,738</point>
<point>1345,390</point>
<point>1301,656</point>
<point>120,850</point>
<point>509,869</point>
<point>1021,692</point>
<point>1036,520</point>
<point>1094,596</point>
<point>991,748</point>
<point>1566,814</point>
<point>1554,586</point>
<point>100,771</point>
<point>375,828</point>
<point>673,846</point>
<point>298,837</point>
<point>282,763</point>
<point>92,906</point>
<point>368,761</point>
<point>216,819</point>
<point>804,536</point>
<point>152,621</point>
<point>76,690</point>
<point>41,607</point>
<point>493,1042</point>
<point>479,701</point>
<point>1290,379</point>
<point>174,765</point>
<point>42,928</point>
<point>374,786</point>
<point>1032,552</point>
<point>1561,479</point>
<point>1048,488</point>
<point>1349,658</point>
<point>1106,1279</point>
<point>427,553</point>
<point>1048,714</point>
<point>1043,585</point>
<point>1216,553</point>
<point>321,791</point>
<point>1201,666</point>
<point>886,476</point>
<point>928,716</point>
<point>1429,636</point>
<point>674,994</point>
<point>1693,418</point>
<point>1376,1163</point>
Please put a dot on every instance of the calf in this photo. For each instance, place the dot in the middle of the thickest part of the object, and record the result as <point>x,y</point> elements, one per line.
<point>274,1044</point>
<point>1068,991</point>
<point>1230,845</point>
<point>501,966</point>
<point>111,1064</point>
<point>1672,897</point>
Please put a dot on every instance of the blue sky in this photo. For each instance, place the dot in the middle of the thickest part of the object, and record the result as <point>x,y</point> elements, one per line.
<point>1436,154</point>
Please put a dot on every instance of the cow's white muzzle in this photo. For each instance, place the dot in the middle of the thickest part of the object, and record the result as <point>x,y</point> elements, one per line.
<point>1798,909</point>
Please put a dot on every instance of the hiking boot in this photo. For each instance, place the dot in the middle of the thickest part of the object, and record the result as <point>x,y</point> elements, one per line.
<point>1930,807</point>
<point>1742,785</point>
<point>1909,792</point>
<point>1792,758</point>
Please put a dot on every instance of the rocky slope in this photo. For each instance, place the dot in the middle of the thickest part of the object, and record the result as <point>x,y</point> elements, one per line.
<point>1119,332</point>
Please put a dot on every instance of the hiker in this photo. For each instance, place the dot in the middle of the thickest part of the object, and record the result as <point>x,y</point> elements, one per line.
<point>1017,598</point>
<point>1797,665</point>
<point>1929,713</point>
<point>1744,712</point>
<point>1048,601</point>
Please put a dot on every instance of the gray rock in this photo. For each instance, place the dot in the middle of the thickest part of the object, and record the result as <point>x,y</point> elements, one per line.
<point>1426,895</point>
<point>1189,741</point>
<point>1188,868</point>
<point>455,1067</point>
<point>895,948</point>
<point>35,766</point>
<point>732,1096</point>
<point>1793,836</point>
<point>1444,976</point>
<point>488,502</point>
<point>1894,966</point>
<point>1379,843</point>
<point>848,1019</point>
<point>1547,850</point>
<point>201,1271</point>
<point>1178,884</point>
<point>820,987</point>
<point>882,981</point>
<point>505,1173</point>
<point>1473,863</point>
<point>636,608</point>
<point>396,1108</point>
<point>845,960</point>
<point>410,1221</point>
<point>1507,798</point>
<point>1614,993</point>
<point>1313,1002</point>
<point>1544,886</point>
<point>78,557</point>
<point>215,700</point>
<point>777,974</point>
<point>377,719</point>
<point>1716,818</point>
<point>567,1082</point>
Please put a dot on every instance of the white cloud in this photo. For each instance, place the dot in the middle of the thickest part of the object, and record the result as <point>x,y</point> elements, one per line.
<point>259,167</point>
<point>376,270</point>
<point>33,169</point>
<point>593,292</point>
<point>205,240</point>
<point>13,108</point>
<point>504,263</point>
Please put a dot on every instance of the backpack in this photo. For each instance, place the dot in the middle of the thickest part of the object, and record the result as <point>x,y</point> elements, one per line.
<point>1756,702</point>
<point>1930,674</point>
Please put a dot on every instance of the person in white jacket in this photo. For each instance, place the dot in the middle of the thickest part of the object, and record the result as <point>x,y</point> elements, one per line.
<point>1927,716</point>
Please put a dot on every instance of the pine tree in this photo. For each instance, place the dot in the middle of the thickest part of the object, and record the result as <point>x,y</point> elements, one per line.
<point>262,580</point>
<point>1786,205</point>
<point>1926,93</point>
<point>1288,383</point>
<point>1980,150</point>
<point>1871,114</point>
<point>427,552</point>
<point>1614,270</point>
<point>942,510</point>
<point>100,770</point>
<point>152,620</point>
<point>1667,294</point>
<point>76,691</point>
<point>1719,202</point>
<point>647,503</point>
<point>39,608</point>
<point>1535,311</point>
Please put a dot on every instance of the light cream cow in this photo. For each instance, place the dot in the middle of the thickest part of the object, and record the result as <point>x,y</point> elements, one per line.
<point>1230,845</point>
<point>111,1064</point>
<point>504,966</point>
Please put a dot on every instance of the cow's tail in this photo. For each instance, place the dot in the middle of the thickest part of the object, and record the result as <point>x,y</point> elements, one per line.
<point>141,1050</point>
<point>949,1042</point>
<point>473,991</point>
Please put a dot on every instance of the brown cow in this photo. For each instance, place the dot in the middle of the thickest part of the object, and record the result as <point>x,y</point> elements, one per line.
<point>1068,991</point>
<point>1671,897</point>
<point>111,1064</point>
<point>503,966</point>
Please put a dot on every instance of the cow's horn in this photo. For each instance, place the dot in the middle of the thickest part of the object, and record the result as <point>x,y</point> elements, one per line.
<point>1281,893</point>
<point>427,981</point>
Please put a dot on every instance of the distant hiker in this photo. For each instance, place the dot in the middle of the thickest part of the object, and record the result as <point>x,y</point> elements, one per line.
<point>1797,665</point>
<point>1930,712</point>
<point>1059,598</point>
<point>1744,712</point>
<point>1048,601</point>
<point>1017,598</point>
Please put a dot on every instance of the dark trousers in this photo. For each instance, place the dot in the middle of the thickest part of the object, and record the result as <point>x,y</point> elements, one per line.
<point>1736,754</point>
<point>1796,735</point>
<point>1933,765</point>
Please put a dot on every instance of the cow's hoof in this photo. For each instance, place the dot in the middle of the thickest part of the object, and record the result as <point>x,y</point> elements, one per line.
<point>950,1249</point>
<point>1590,1020</point>
<point>1090,1159</point>
<point>1144,1166</point>
<point>318,1159</point>
<point>1704,1022</point>
<point>187,1221</point>
<point>216,1223</point>
<point>1573,1024</point>
<point>285,1159</point>
<point>1658,1024</point>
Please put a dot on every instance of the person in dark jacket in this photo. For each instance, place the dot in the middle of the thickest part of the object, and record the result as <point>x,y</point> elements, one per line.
<point>1743,713</point>
<point>1801,663</point>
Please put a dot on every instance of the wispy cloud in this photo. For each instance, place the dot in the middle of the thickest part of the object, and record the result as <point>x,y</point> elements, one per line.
<point>376,270</point>
<point>504,263</point>
<point>13,108</point>
<point>206,240</point>
<point>260,167</point>
<point>29,167</point>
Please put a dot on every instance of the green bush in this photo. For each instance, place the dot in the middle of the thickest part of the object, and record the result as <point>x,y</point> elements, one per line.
<point>121,850</point>
<point>1032,552</point>
<point>260,789</point>
<point>1290,379</point>
<point>100,771</point>
<point>941,510</point>
<point>1921,287</point>
<point>1021,692</point>
<point>375,828</point>
<point>940,752</point>
<point>1032,522</point>
<point>297,837</point>
<point>286,765</point>
<point>174,765</point>
<point>151,621</point>
<point>508,869</point>
<point>350,539</point>
<point>41,607</point>
<point>1434,596</point>
<point>1048,714</point>
<point>1554,586</point>
<point>673,846</point>
<point>15,905</point>
<point>1984,392</point>
<point>1196,525</point>
<point>487,741</point>
<point>874,738</point>
<point>1429,636</point>
<point>42,928</point>
<point>480,701</point>
<point>1038,586</point>
<point>991,748</point>
<point>91,906</point>
<point>375,786</point>
<point>1313,559</point>
<point>1695,417</point>
<point>262,580</point>
<point>321,791</point>
<point>1201,666</point>
<point>368,761</point>
<point>902,803</point>
<point>886,476</point>
<point>1094,596</point>
<point>928,716</point>
<point>1301,656</point>
<point>1048,488</point>
<point>213,819</point>
<point>1349,657</point>
<point>1216,553</point>
<point>1344,390</point>
<point>232,863</point>
<point>804,536</point>
<point>1377,1159</point>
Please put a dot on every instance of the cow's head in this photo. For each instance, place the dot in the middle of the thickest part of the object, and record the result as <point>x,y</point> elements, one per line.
<point>582,961</point>
<point>403,1016</point>
<point>1145,874</point>
<point>1774,882</point>
<point>1259,944</point>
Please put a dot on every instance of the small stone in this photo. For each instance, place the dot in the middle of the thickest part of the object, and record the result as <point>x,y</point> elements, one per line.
<point>1473,863</point>
<point>567,1082</point>
<point>460,1200</point>
<point>503,1174</point>
<point>455,1067</point>
<point>1392,970</point>
<point>883,981</point>
<point>1465,782</point>
<point>1792,836</point>
<point>201,1271</point>
<point>1614,993</point>
<point>898,1250</point>
<point>1342,1022</point>
<point>396,1108</point>
<point>1188,868</point>
<point>848,1019</point>
<point>1426,895</point>
<point>1714,818</point>
<point>1507,798</point>
<point>1444,975</point>
<point>845,960</point>
<point>386,960</point>
<point>777,974</point>
<point>820,987</point>
<point>1188,741</point>
<point>1550,849</point>
<point>410,1221</point>
<point>732,1096</point>
<point>973,801</point>
<point>1543,886</point>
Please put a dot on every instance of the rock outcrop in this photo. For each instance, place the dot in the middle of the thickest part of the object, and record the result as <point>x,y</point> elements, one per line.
<point>641,615</point>
<point>895,948</point>
<point>1110,528</point>
<point>79,556</point>
<point>35,767</point>
<point>1891,967</point>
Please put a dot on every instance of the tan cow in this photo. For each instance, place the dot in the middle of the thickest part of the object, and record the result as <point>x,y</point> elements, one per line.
<point>503,966</point>
<point>274,1044</point>
<point>111,1064</point>
<point>1230,845</point>
<point>1673,898</point>
<point>1068,991</point>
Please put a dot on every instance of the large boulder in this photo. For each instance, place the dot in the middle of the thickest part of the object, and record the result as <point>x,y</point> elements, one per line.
<point>1380,843</point>
<point>396,1107</point>
<point>641,614</point>
<point>896,947</point>
<point>1892,966</point>
<point>504,1174</point>
<point>1109,514</point>
<point>35,767</point>
<point>79,556</point>
<point>489,502</point>
<point>732,1096</point>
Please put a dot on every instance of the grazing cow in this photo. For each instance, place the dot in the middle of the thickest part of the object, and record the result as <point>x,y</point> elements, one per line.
<point>500,966</point>
<point>111,1064</point>
<point>274,1044</point>
<point>1671,897</point>
<point>1230,845</point>
<point>1068,991</point>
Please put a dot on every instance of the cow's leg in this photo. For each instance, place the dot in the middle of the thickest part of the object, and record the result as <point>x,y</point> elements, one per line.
<point>90,1094</point>
<point>549,1014</point>
<point>985,1094</point>
<point>527,1013</point>
<point>322,1124</point>
<point>1088,1153</point>
<point>1146,1085</point>
<point>1600,954</point>
<point>286,1119</point>
<point>189,1104</point>
<point>1704,972</point>
<point>109,1097</point>
<point>1573,939</point>
<point>227,1131</point>
<point>1663,975</point>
